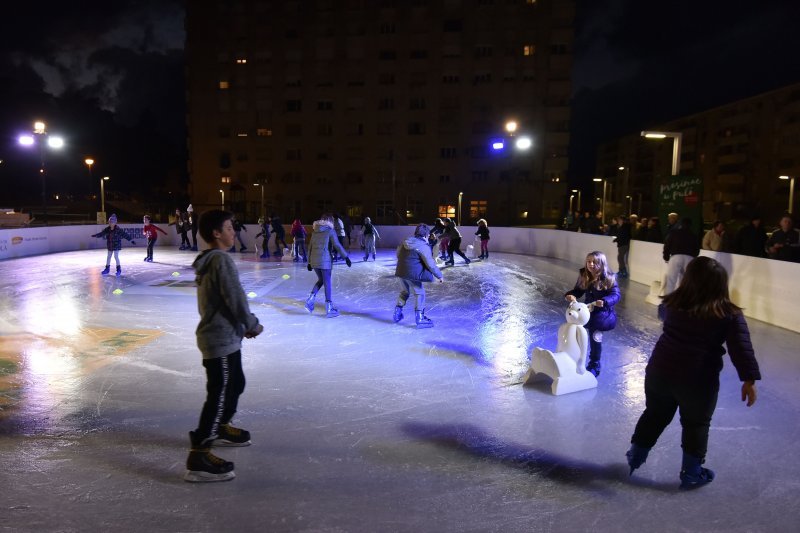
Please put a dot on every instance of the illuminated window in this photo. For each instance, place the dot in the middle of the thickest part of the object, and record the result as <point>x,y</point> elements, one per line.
<point>242,134</point>
<point>447,211</point>
<point>241,61</point>
<point>264,132</point>
<point>477,208</point>
<point>225,179</point>
<point>224,85</point>
<point>529,49</point>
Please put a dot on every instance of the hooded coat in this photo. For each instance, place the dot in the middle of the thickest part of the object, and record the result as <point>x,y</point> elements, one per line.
<point>224,312</point>
<point>323,236</point>
<point>415,261</point>
<point>602,318</point>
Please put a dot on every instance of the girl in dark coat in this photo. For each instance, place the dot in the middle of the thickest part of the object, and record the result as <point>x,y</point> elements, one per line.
<point>683,372</point>
<point>599,285</point>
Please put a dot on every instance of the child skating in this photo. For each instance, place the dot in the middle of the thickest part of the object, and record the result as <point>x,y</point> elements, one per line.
<point>683,371</point>
<point>599,286</point>
<point>483,233</point>
<point>371,235</point>
<point>323,238</point>
<point>151,232</point>
<point>225,318</point>
<point>415,266</point>
<point>113,235</point>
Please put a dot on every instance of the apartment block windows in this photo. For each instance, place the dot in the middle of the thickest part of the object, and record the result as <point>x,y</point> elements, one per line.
<point>385,104</point>
<point>450,78</point>
<point>293,154</point>
<point>225,178</point>
<point>241,61</point>
<point>224,85</point>
<point>529,50</point>
<point>483,51</point>
<point>387,28</point>
<point>559,49</point>
<point>387,55</point>
<point>325,105</point>
<point>419,54</point>
<point>480,176</point>
<point>416,128</point>
<point>478,209</point>
<point>386,79</point>
<point>264,132</point>
<point>452,25</point>
<point>416,103</point>
<point>444,178</point>
<point>325,130</point>
<point>383,208</point>
<point>448,153</point>
<point>294,105</point>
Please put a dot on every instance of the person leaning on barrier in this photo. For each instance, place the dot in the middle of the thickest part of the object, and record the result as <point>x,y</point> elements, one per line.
<point>784,244</point>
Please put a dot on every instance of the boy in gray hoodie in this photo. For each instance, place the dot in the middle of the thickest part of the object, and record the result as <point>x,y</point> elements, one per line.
<point>225,318</point>
<point>415,265</point>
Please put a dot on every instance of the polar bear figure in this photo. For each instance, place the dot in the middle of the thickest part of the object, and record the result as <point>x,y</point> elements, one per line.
<point>567,365</point>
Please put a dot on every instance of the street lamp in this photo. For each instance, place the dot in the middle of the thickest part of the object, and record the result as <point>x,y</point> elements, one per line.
<point>54,142</point>
<point>223,198</point>
<point>103,199</point>
<point>89,162</point>
<point>459,207</point>
<point>260,184</point>
<point>791,191</point>
<point>603,208</point>
<point>630,204</point>
<point>676,145</point>
<point>578,205</point>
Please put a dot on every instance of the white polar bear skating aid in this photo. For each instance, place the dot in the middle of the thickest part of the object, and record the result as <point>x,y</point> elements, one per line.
<point>567,365</point>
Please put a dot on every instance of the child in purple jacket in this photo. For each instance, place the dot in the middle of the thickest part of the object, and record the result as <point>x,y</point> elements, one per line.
<point>599,285</point>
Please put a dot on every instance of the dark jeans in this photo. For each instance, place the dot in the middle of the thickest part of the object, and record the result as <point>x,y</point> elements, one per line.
<point>300,248</point>
<point>323,278</point>
<point>622,257</point>
<point>454,246</point>
<point>184,239</point>
<point>194,236</point>
<point>595,348</point>
<point>279,249</point>
<point>150,244</point>
<point>224,384</point>
<point>695,402</point>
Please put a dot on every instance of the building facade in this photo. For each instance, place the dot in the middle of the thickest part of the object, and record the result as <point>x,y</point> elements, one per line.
<point>739,150</point>
<point>381,108</point>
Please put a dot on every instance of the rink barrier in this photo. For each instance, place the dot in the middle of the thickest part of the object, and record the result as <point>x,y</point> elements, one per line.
<point>768,290</point>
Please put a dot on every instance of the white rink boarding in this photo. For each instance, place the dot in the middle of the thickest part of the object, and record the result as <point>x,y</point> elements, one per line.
<point>768,290</point>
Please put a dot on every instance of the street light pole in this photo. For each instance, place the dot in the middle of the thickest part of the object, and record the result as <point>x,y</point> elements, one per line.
<point>630,204</point>
<point>89,162</point>
<point>223,198</point>
<point>40,129</point>
<point>578,205</point>
<point>603,204</point>
<point>791,192</point>
<point>676,145</point>
<point>459,207</point>
<point>103,196</point>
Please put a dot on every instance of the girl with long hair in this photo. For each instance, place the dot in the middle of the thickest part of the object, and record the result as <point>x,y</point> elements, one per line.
<point>599,287</point>
<point>683,371</point>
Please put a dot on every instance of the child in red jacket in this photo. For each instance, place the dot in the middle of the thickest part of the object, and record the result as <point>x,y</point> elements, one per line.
<point>151,232</point>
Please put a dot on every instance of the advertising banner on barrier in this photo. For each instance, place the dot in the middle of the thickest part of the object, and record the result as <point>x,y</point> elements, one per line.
<point>23,242</point>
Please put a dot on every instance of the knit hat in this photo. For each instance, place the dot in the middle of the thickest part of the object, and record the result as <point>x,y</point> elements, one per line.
<point>190,209</point>
<point>112,219</point>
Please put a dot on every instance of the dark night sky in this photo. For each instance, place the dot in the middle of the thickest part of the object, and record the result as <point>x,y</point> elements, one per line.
<point>109,75</point>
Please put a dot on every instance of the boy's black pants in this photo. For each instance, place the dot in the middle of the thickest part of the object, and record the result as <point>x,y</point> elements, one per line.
<point>224,384</point>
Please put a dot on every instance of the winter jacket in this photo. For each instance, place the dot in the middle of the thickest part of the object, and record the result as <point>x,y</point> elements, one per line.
<point>113,237</point>
<point>238,226</point>
<point>690,348</point>
<point>277,228</point>
<point>602,318</point>
<point>680,241</point>
<point>415,261</point>
<point>791,245</point>
<point>224,312</point>
<point>483,232</point>
<point>451,232</point>
<point>298,232</point>
<point>751,241</point>
<point>319,255</point>
<point>151,231</point>
<point>623,236</point>
<point>712,241</point>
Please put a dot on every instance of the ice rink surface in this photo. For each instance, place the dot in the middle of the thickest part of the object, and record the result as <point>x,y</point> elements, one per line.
<point>360,424</point>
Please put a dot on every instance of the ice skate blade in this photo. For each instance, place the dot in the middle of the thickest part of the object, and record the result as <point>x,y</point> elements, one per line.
<point>198,476</point>
<point>222,443</point>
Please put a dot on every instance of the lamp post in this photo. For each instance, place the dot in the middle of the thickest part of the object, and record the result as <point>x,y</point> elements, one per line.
<point>676,145</point>
<point>603,204</point>
<point>630,204</point>
<point>626,182</point>
<point>223,198</point>
<point>791,191</point>
<point>89,162</point>
<point>459,207</point>
<point>103,199</point>
<point>261,184</point>
<point>578,205</point>
<point>54,142</point>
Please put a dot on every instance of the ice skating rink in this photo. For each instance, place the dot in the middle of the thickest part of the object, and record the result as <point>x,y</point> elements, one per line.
<point>360,424</point>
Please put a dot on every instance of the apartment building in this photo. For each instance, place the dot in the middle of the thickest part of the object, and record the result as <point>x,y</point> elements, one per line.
<point>387,108</point>
<point>739,150</point>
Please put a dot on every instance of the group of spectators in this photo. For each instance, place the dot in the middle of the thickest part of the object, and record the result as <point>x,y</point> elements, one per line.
<point>752,239</point>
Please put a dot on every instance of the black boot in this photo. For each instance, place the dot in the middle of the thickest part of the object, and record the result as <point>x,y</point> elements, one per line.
<point>106,269</point>
<point>203,466</point>
<point>330,310</point>
<point>398,313</point>
<point>119,270</point>
<point>310,301</point>
<point>692,474</point>
<point>637,456</point>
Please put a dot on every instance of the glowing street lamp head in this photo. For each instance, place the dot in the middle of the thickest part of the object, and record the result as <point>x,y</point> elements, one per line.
<point>783,177</point>
<point>621,168</point>
<point>38,127</point>
<point>55,142</point>
<point>511,126</point>
<point>89,161</point>
<point>26,140</point>
<point>597,179</point>
<point>523,143</point>
<point>106,178</point>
